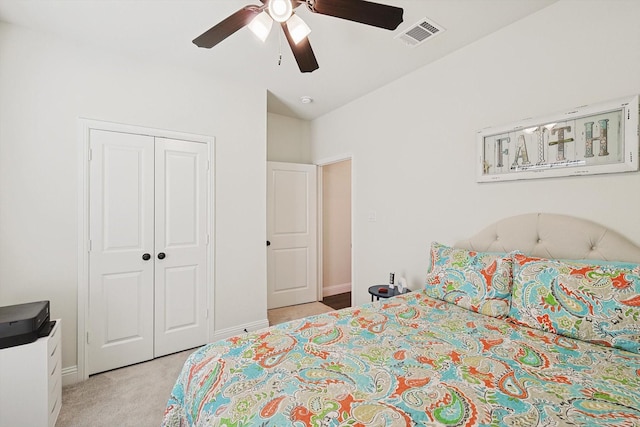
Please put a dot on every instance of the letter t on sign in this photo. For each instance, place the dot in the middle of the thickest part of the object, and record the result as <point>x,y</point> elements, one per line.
<point>561,140</point>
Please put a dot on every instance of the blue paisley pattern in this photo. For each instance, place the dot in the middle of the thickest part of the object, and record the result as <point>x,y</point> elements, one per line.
<point>406,361</point>
<point>477,281</point>
<point>592,301</point>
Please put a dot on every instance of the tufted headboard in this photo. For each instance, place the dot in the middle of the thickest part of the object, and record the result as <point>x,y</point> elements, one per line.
<point>553,236</point>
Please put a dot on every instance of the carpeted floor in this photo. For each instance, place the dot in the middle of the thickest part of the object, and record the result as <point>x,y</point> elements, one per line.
<point>131,396</point>
<point>285,314</point>
<point>137,395</point>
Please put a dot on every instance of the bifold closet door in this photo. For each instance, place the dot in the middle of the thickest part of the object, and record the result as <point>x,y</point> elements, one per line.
<point>121,309</point>
<point>148,251</point>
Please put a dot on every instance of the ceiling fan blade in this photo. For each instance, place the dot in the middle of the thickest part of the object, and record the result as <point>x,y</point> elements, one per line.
<point>226,27</point>
<point>302,51</point>
<point>364,12</point>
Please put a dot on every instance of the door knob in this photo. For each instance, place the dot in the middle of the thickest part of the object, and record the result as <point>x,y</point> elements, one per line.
<point>268,243</point>
<point>161,255</point>
<point>146,257</point>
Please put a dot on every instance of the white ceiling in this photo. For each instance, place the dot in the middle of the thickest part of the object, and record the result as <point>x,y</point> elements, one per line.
<point>354,58</point>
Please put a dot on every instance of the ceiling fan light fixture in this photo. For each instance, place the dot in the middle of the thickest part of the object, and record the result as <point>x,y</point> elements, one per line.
<point>361,11</point>
<point>261,25</point>
<point>280,10</point>
<point>298,29</point>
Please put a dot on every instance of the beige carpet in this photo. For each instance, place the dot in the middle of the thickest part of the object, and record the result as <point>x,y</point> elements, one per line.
<point>131,396</point>
<point>137,395</point>
<point>285,314</point>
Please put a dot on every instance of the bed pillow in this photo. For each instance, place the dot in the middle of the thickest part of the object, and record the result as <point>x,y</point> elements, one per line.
<point>477,281</point>
<point>594,301</point>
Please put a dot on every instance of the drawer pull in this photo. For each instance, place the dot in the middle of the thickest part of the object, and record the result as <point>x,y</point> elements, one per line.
<point>53,333</point>
<point>53,408</point>
<point>54,350</point>
<point>53,371</point>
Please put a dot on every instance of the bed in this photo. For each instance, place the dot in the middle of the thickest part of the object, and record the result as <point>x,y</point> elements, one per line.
<point>534,321</point>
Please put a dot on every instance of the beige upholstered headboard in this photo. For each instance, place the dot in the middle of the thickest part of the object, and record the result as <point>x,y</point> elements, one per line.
<point>553,236</point>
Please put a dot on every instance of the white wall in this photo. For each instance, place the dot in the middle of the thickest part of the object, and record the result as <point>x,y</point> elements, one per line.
<point>414,141</point>
<point>288,139</point>
<point>45,85</point>
<point>336,228</point>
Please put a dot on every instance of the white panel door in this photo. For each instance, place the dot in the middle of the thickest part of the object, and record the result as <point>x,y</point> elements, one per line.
<point>121,232</point>
<point>291,231</point>
<point>180,245</point>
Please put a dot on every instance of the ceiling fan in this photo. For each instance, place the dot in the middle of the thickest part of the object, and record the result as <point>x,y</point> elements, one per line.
<point>260,18</point>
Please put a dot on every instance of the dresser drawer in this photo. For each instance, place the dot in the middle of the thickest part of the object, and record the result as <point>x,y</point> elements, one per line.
<point>54,373</point>
<point>53,355</point>
<point>54,339</point>
<point>55,402</point>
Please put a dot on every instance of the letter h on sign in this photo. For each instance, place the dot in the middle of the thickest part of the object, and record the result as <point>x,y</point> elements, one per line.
<point>602,138</point>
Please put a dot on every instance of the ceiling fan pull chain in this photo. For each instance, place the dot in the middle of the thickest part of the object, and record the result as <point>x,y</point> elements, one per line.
<point>279,48</point>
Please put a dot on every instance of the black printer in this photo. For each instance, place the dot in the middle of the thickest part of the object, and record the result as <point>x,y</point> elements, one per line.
<point>24,323</point>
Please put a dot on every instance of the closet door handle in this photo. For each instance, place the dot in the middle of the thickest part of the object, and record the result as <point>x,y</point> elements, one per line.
<point>161,255</point>
<point>146,257</point>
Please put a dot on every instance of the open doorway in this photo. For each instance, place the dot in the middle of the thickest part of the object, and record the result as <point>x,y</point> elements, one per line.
<point>335,234</point>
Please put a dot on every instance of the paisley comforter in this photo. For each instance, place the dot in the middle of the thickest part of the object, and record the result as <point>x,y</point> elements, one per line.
<point>410,360</point>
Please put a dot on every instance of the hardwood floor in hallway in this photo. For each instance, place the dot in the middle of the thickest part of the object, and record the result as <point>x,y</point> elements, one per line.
<point>338,301</point>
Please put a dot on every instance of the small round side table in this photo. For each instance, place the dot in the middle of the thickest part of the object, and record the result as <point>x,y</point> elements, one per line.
<point>375,291</point>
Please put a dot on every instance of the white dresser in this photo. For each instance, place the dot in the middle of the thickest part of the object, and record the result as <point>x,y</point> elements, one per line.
<point>31,382</point>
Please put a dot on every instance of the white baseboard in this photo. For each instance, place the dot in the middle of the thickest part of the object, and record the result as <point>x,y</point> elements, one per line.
<point>341,288</point>
<point>240,329</point>
<point>69,375</point>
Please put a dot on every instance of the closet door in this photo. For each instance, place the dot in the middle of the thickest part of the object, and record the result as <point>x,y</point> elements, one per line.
<point>148,273</point>
<point>121,174</point>
<point>180,245</point>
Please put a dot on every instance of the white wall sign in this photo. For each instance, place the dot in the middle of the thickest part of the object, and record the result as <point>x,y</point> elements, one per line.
<point>594,139</point>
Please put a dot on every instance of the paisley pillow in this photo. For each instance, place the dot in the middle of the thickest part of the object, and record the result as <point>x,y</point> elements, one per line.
<point>597,302</point>
<point>477,281</point>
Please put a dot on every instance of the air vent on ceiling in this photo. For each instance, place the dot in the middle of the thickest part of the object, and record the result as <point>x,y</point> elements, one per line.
<point>419,33</point>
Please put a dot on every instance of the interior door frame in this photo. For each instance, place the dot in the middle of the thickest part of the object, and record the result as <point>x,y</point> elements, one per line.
<point>325,162</point>
<point>84,128</point>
